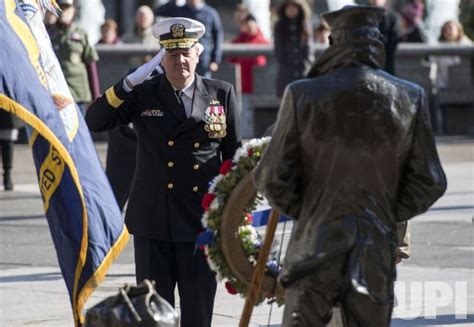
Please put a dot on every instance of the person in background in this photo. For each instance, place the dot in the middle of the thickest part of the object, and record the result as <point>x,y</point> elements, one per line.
<point>321,33</point>
<point>412,16</point>
<point>451,32</point>
<point>9,125</point>
<point>169,9</point>
<point>76,56</point>
<point>109,33</point>
<point>391,28</point>
<point>142,32</point>
<point>49,21</point>
<point>250,34</point>
<point>213,38</point>
<point>292,42</point>
<point>240,14</point>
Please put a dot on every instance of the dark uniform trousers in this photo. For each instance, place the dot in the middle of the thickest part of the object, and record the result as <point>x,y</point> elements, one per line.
<point>177,156</point>
<point>170,263</point>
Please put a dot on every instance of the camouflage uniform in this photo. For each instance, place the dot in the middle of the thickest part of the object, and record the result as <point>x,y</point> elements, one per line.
<point>74,52</point>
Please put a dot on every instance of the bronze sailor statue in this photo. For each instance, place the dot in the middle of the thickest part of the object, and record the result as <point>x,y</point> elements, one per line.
<point>351,156</point>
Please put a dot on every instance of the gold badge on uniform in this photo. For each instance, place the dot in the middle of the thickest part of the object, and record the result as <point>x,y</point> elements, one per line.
<point>177,30</point>
<point>215,120</point>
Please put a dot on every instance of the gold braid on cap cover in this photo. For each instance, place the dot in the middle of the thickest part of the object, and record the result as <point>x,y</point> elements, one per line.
<point>178,38</point>
<point>183,43</point>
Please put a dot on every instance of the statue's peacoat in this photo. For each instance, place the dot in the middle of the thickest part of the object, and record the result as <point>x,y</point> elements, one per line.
<point>352,155</point>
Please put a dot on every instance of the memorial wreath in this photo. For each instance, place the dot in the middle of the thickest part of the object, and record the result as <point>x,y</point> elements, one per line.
<point>232,172</point>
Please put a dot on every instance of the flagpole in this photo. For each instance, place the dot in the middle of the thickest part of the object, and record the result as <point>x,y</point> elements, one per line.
<point>259,271</point>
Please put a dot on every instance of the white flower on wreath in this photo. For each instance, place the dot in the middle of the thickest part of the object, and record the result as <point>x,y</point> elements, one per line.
<point>204,219</point>
<point>253,143</point>
<point>215,203</point>
<point>239,153</point>
<point>214,183</point>
<point>249,235</point>
<point>252,259</point>
<point>212,265</point>
<point>258,142</point>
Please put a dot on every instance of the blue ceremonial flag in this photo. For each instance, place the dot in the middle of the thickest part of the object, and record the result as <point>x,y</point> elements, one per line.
<point>85,221</point>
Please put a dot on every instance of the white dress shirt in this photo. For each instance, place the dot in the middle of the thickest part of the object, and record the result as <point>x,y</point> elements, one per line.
<point>187,97</point>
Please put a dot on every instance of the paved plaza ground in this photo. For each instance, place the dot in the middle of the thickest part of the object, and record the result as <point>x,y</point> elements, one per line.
<point>435,286</point>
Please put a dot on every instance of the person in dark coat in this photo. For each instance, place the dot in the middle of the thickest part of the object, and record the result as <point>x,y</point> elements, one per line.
<point>186,126</point>
<point>121,161</point>
<point>169,9</point>
<point>292,42</point>
<point>351,156</point>
<point>9,126</point>
<point>412,14</point>
<point>391,29</point>
<point>212,40</point>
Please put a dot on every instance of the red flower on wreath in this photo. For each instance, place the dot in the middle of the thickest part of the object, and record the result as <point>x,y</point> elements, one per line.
<point>226,166</point>
<point>249,218</point>
<point>206,201</point>
<point>250,152</point>
<point>230,288</point>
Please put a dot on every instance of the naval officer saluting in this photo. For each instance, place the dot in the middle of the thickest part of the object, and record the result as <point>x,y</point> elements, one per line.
<point>186,125</point>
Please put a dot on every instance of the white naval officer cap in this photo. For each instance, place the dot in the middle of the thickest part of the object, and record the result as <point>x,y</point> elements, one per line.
<point>178,32</point>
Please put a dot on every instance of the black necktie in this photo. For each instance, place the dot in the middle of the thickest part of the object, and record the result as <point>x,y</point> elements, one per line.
<point>178,94</point>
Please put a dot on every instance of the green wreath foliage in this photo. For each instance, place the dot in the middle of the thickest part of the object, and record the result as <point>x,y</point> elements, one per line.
<point>244,161</point>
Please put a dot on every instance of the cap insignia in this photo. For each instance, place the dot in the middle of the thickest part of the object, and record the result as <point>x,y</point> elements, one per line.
<point>177,30</point>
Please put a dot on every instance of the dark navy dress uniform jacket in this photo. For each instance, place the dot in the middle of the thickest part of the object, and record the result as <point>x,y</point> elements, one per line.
<point>176,158</point>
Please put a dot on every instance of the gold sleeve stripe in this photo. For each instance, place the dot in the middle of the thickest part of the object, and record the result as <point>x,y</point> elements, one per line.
<point>112,98</point>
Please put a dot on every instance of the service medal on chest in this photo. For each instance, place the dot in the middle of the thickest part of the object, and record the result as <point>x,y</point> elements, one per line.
<point>215,120</point>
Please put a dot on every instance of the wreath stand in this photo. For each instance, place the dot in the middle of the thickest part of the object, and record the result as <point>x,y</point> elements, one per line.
<point>257,281</point>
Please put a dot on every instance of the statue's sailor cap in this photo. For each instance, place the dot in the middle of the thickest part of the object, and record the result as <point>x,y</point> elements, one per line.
<point>352,16</point>
<point>178,32</point>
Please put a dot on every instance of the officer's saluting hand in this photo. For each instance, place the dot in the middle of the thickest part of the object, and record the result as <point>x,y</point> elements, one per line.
<point>143,72</point>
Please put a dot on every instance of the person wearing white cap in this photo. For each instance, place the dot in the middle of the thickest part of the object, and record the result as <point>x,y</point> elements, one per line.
<point>212,40</point>
<point>186,126</point>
